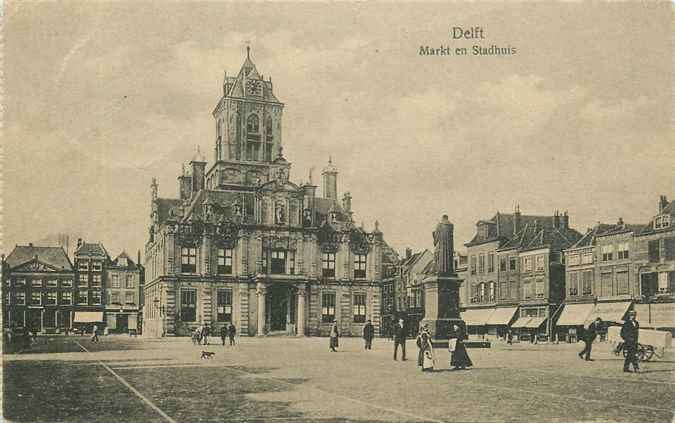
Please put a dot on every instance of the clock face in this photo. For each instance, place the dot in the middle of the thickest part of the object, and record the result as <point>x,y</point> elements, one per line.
<point>254,87</point>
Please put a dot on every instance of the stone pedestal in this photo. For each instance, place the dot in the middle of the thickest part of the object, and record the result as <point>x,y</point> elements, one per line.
<point>441,306</point>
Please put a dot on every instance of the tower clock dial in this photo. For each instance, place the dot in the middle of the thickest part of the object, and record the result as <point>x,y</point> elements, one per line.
<point>254,87</point>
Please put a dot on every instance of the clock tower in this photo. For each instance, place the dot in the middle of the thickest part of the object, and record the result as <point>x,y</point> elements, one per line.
<point>248,129</point>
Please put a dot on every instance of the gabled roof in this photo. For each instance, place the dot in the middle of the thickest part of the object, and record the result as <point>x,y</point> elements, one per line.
<point>90,249</point>
<point>534,236</point>
<point>601,229</point>
<point>249,72</point>
<point>131,265</point>
<point>500,227</point>
<point>53,256</point>
<point>668,209</point>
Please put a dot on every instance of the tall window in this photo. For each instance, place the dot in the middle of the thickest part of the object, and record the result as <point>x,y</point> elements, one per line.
<point>502,264</point>
<point>607,252</point>
<point>623,251</point>
<point>527,289</point>
<point>36,298</point>
<point>269,139</point>
<point>513,263</point>
<point>188,260</point>
<point>253,124</point>
<point>20,298</point>
<point>473,265</point>
<point>540,262</point>
<point>129,298</point>
<point>224,261</point>
<point>573,283</point>
<point>291,262</point>
<point>188,305</point>
<point>491,291</point>
<point>51,298</point>
<point>360,266</point>
<point>622,283</point>
<point>482,291</point>
<point>481,263</point>
<point>66,298</point>
<point>359,308</point>
<point>587,282</point>
<point>327,307</point>
<point>654,251</point>
<point>491,262</point>
<point>96,297</point>
<point>278,262</point>
<point>527,264</point>
<point>115,298</point>
<point>503,290</point>
<point>539,287</point>
<point>129,282</point>
<point>96,280</point>
<point>224,304</point>
<point>253,137</point>
<point>328,265</point>
<point>83,298</point>
<point>83,279</point>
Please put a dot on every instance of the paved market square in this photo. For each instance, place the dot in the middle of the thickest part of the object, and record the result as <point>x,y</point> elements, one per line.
<point>299,380</point>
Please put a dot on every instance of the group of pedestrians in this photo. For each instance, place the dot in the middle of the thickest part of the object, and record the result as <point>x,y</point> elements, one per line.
<point>629,334</point>
<point>201,335</point>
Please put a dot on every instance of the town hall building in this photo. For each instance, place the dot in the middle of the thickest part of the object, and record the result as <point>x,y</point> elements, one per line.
<point>244,244</point>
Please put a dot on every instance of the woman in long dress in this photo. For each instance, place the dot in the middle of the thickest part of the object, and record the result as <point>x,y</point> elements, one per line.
<point>425,356</point>
<point>334,335</point>
<point>459,358</point>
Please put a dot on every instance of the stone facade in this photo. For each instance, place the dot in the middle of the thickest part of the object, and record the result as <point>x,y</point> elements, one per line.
<point>123,302</point>
<point>244,244</point>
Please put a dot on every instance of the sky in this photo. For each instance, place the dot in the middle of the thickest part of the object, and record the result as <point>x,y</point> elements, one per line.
<point>99,98</point>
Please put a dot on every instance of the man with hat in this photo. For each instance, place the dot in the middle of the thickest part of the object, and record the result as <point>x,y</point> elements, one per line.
<point>399,338</point>
<point>368,334</point>
<point>629,333</point>
<point>591,334</point>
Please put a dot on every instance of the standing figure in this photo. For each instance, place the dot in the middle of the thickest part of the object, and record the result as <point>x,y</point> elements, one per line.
<point>205,334</point>
<point>629,333</point>
<point>425,356</point>
<point>368,334</point>
<point>509,337</point>
<point>334,335</point>
<point>197,336</point>
<point>94,334</point>
<point>399,338</point>
<point>231,331</point>
<point>459,358</point>
<point>223,334</point>
<point>591,334</point>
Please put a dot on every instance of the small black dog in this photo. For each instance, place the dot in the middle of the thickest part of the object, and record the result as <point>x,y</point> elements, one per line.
<point>207,355</point>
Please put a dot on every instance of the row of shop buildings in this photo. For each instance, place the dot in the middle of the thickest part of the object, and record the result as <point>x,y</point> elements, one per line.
<point>538,277</point>
<point>45,292</point>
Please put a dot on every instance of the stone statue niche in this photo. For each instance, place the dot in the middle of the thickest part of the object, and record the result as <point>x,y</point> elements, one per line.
<point>441,289</point>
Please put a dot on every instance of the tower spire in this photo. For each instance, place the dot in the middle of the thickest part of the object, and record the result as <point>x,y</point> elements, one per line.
<point>248,52</point>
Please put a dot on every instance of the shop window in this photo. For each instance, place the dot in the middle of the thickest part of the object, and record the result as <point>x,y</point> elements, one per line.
<point>188,305</point>
<point>327,307</point>
<point>359,308</point>
<point>360,266</point>
<point>224,304</point>
<point>188,260</point>
<point>224,261</point>
<point>328,265</point>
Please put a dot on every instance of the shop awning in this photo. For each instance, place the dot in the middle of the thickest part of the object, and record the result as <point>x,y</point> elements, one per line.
<point>610,312</point>
<point>88,317</point>
<point>521,322</point>
<point>477,317</point>
<point>502,316</point>
<point>575,314</point>
<point>656,315</point>
<point>535,322</point>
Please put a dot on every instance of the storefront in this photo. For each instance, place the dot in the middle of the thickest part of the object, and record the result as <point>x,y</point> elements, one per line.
<point>498,322</point>
<point>609,312</point>
<point>659,316</point>
<point>571,321</point>
<point>476,320</point>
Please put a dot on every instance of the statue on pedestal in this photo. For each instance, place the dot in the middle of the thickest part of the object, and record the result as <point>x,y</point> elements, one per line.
<point>443,247</point>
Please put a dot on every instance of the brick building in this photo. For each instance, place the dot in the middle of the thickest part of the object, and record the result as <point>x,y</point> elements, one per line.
<point>123,300</point>
<point>244,244</point>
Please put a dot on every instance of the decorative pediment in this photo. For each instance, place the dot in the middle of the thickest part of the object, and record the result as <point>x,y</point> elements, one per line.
<point>35,265</point>
<point>226,233</point>
<point>279,242</point>
<point>358,242</point>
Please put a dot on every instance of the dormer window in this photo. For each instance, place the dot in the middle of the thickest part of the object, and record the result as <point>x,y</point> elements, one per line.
<point>483,231</point>
<point>662,221</point>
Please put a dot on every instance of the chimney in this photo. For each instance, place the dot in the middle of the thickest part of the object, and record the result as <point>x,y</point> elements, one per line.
<point>153,189</point>
<point>347,205</point>
<point>138,257</point>
<point>663,203</point>
<point>198,164</point>
<point>79,243</point>
<point>330,181</point>
<point>308,204</point>
<point>565,221</point>
<point>408,253</point>
<point>516,220</point>
<point>556,220</point>
<point>620,222</point>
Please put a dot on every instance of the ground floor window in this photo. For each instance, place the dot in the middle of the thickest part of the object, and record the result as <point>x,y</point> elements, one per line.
<point>359,308</point>
<point>224,304</point>
<point>188,305</point>
<point>327,307</point>
<point>50,318</point>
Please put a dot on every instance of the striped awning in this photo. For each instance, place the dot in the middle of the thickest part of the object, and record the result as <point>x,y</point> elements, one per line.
<point>477,317</point>
<point>502,316</point>
<point>88,317</point>
<point>521,322</point>
<point>575,314</point>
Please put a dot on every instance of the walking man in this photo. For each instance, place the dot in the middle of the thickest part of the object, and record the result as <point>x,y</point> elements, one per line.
<point>334,336</point>
<point>205,334</point>
<point>509,337</point>
<point>368,334</point>
<point>231,332</point>
<point>399,339</point>
<point>591,334</point>
<point>629,333</point>
<point>223,334</point>
<point>94,334</point>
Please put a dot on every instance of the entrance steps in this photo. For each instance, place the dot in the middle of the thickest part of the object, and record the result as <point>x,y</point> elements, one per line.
<point>280,333</point>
